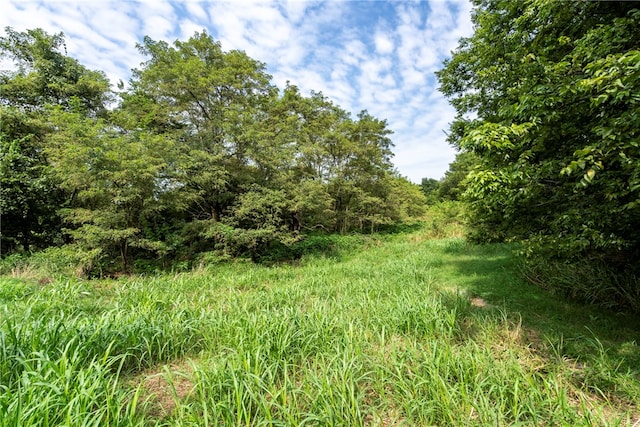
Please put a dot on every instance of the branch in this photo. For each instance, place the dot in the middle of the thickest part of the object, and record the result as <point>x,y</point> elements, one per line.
<point>204,111</point>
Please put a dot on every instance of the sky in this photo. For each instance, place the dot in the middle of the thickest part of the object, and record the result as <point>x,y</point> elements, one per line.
<point>371,54</point>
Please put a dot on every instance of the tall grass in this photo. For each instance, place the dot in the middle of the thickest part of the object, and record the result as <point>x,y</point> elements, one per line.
<point>587,280</point>
<point>383,334</point>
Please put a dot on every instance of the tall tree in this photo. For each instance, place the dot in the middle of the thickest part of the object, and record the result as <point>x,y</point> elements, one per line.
<point>352,159</point>
<point>452,185</point>
<point>41,75</point>
<point>546,95</point>
<point>116,182</point>
<point>429,187</point>
<point>202,153</point>
<point>216,97</point>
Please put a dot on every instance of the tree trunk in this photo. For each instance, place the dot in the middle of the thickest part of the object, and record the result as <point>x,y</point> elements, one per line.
<point>124,248</point>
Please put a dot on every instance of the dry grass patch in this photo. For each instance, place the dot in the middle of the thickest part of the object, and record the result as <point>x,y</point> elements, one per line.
<point>28,273</point>
<point>480,303</point>
<point>164,387</point>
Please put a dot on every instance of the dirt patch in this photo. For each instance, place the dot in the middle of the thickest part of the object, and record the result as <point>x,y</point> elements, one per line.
<point>164,388</point>
<point>479,302</point>
<point>43,281</point>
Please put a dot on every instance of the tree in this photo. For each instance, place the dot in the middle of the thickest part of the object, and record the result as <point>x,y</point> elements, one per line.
<point>406,201</point>
<point>115,180</point>
<point>452,185</point>
<point>429,187</point>
<point>41,76</point>
<point>546,96</point>
<point>360,163</point>
<point>216,98</point>
<point>202,153</point>
<point>28,194</point>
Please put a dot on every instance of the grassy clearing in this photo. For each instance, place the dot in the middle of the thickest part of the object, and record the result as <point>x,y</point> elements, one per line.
<point>402,331</point>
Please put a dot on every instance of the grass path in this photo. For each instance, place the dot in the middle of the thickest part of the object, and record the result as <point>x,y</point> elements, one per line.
<point>402,331</point>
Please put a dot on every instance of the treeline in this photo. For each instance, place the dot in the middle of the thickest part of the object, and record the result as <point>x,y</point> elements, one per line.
<point>452,185</point>
<point>547,96</point>
<point>199,153</point>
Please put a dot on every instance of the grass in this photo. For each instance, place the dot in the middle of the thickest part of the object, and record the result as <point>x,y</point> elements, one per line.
<point>402,330</point>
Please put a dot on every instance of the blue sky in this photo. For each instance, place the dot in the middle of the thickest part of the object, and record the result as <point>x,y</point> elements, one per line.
<point>374,55</point>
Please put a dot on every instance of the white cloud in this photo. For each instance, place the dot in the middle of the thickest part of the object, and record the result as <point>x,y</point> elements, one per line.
<point>358,56</point>
<point>439,19</point>
<point>384,44</point>
<point>102,16</point>
<point>354,52</point>
<point>158,27</point>
<point>295,10</point>
<point>187,28</point>
<point>196,11</point>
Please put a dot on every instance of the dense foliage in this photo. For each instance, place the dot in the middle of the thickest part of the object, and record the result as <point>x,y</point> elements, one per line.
<point>43,77</point>
<point>547,96</point>
<point>200,153</point>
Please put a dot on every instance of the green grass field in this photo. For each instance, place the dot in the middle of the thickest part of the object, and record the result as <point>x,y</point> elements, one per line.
<point>397,330</point>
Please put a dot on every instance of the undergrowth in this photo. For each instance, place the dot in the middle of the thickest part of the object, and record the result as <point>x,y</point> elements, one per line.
<point>586,281</point>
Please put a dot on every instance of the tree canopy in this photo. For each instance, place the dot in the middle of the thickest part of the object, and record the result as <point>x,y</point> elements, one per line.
<point>42,77</point>
<point>546,95</point>
<point>200,153</point>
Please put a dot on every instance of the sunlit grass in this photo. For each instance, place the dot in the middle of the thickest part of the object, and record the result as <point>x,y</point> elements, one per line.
<point>402,331</point>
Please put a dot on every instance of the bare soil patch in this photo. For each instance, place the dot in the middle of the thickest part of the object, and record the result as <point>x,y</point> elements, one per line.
<point>165,387</point>
<point>479,302</point>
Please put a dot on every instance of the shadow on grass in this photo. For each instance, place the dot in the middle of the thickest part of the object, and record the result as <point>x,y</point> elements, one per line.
<point>567,328</point>
<point>401,228</point>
